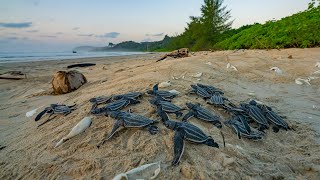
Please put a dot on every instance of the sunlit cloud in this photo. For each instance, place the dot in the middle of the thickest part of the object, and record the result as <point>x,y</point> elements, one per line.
<point>16,25</point>
<point>109,35</point>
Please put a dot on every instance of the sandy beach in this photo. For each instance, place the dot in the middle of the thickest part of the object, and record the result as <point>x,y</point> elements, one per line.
<point>29,151</point>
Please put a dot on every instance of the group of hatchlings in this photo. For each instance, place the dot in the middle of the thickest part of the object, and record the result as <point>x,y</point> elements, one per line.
<point>260,115</point>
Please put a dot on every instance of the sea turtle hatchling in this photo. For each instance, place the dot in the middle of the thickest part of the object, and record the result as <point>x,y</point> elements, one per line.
<point>210,89</point>
<point>163,94</point>
<point>218,100</point>
<point>100,100</point>
<point>114,106</point>
<point>130,95</point>
<point>241,130</point>
<point>273,118</point>
<point>200,91</point>
<point>201,113</point>
<point>256,114</point>
<point>167,106</point>
<point>129,120</point>
<point>55,109</point>
<point>185,131</point>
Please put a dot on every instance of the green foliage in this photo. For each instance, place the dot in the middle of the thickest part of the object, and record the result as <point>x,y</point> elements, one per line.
<point>299,30</point>
<point>204,31</point>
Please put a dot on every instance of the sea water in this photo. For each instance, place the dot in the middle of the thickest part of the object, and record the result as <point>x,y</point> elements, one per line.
<point>9,57</point>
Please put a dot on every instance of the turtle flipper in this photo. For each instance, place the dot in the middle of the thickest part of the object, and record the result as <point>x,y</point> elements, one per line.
<point>114,129</point>
<point>178,146</point>
<point>94,105</point>
<point>153,129</point>
<point>237,131</point>
<point>245,124</point>
<point>47,120</point>
<point>210,142</point>
<point>189,115</point>
<point>155,87</point>
<point>275,129</point>
<point>178,114</point>
<point>162,114</point>
<point>38,117</point>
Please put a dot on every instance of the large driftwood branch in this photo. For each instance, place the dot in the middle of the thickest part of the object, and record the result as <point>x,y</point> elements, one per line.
<point>180,53</point>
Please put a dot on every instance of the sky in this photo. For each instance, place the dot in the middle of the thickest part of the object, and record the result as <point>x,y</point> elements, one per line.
<point>61,25</point>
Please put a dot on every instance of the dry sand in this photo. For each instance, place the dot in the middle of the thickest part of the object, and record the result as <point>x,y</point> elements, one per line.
<point>29,152</point>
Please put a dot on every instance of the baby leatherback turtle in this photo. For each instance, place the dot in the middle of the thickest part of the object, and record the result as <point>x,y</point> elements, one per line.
<point>55,109</point>
<point>256,114</point>
<point>273,118</point>
<point>100,100</point>
<point>218,100</point>
<point>164,94</point>
<point>201,113</point>
<point>130,120</point>
<point>130,95</point>
<point>114,106</point>
<point>200,91</point>
<point>241,130</point>
<point>167,106</point>
<point>210,89</point>
<point>185,131</point>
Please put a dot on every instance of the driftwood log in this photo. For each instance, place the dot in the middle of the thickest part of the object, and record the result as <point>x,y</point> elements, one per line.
<point>13,75</point>
<point>64,82</point>
<point>180,53</point>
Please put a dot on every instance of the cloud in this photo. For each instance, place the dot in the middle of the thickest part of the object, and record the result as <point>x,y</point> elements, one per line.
<point>48,36</point>
<point>16,25</point>
<point>85,35</point>
<point>109,35</point>
<point>156,35</point>
<point>59,33</point>
<point>32,31</point>
<point>75,28</point>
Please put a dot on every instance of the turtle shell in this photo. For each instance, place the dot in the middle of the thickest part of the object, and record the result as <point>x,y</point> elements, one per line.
<point>169,107</point>
<point>217,99</point>
<point>205,114</point>
<point>256,114</point>
<point>117,105</point>
<point>136,120</point>
<point>193,133</point>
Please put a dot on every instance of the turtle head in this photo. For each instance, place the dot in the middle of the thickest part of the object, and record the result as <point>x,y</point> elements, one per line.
<point>153,101</point>
<point>190,105</point>
<point>113,114</point>
<point>170,124</point>
<point>253,102</point>
<point>218,124</point>
<point>194,86</point>
<point>95,111</point>
<point>150,92</point>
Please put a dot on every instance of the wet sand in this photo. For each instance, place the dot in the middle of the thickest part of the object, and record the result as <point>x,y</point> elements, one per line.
<point>295,154</point>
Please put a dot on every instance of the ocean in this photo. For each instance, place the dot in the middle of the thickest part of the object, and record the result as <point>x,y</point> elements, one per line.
<point>6,57</point>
